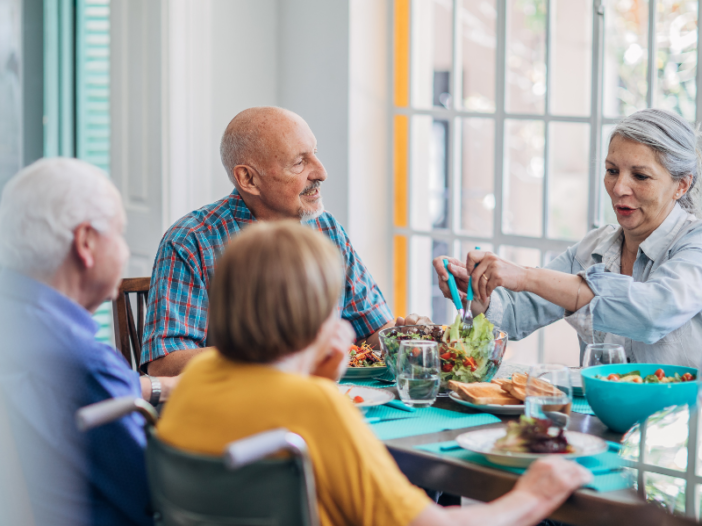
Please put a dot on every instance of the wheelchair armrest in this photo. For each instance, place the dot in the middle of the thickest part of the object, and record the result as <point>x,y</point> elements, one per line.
<point>256,447</point>
<point>95,415</point>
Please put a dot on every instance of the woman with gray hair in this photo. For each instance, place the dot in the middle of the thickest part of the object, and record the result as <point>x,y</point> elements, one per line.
<point>638,284</point>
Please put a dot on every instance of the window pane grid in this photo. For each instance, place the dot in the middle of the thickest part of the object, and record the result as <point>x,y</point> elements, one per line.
<point>632,61</point>
<point>456,207</point>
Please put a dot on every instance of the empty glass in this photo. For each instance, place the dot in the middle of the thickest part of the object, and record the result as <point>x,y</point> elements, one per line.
<point>549,394</point>
<point>418,372</point>
<point>603,353</point>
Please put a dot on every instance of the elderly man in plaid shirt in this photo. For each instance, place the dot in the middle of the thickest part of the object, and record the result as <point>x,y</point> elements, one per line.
<point>270,157</point>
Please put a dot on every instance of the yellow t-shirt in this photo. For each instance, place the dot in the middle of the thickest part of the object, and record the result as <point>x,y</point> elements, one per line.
<point>358,483</point>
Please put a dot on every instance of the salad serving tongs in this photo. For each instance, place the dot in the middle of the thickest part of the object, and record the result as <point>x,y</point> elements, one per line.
<point>462,306</point>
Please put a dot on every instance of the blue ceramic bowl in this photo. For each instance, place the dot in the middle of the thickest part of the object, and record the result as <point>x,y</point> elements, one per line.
<point>621,405</point>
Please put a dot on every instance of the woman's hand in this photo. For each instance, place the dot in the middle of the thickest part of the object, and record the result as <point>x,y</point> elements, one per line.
<point>551,480</point>
<point>492,272</point>
<point>459,272</point>
<point>334,356</point>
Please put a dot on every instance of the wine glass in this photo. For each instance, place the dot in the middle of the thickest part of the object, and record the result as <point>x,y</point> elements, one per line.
<point>603,353</point>
<point>549,394</point>
<point>418,372</point>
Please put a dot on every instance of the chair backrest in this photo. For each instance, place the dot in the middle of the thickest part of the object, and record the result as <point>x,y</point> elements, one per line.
<point>199,490</point>
<point>128,333</point>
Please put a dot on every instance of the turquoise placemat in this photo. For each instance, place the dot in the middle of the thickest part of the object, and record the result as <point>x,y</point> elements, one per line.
<point>606,467</point>
<point>363,382</point>
<point>580,405</point>
<point>425,420</point>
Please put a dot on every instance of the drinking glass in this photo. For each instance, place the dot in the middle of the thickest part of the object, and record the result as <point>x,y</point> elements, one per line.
<point>418,372</point>
<point>549,394</point>
<point>603,353</point>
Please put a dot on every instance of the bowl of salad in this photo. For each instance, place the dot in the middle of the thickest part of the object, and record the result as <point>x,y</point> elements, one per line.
<point>466,356</point>
<point>625,393</point>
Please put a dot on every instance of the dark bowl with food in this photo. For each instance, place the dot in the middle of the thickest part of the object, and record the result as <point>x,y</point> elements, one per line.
<point>467,360</point>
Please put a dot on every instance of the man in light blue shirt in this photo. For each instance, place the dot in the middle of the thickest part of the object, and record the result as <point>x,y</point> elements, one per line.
<point>62,255</point>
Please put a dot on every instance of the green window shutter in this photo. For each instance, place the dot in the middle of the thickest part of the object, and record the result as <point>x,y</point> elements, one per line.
<point>93,82</point>
<point>93,104</point>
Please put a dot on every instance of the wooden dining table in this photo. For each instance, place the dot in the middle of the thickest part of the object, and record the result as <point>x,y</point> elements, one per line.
<point>457,477</point>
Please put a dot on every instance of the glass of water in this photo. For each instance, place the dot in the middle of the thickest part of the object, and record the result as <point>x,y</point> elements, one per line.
<point>418,372</point>
<point>549,394</point>
<point>603,353</point>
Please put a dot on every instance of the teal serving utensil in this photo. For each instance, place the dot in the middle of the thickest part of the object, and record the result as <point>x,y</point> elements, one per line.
<point>468,301</point>
<point>462,308</point>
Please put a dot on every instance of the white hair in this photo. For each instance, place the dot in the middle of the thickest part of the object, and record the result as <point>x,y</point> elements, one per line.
<point>235,149</point>
<point>242,139</point>
<point>42,205</point>
<point>674,142</point>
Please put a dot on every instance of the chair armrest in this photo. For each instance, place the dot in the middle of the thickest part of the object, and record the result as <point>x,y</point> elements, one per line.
<point>256,447</point>
<point>101,413</point>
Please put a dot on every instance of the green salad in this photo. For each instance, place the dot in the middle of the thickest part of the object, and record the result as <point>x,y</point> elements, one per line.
<point>465,355</point>
<point>659,377</point>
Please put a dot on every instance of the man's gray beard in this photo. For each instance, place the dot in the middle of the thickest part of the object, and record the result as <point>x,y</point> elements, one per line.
<point>309,216</point>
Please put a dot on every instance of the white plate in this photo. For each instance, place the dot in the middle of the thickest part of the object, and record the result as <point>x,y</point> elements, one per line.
<point>482,441</point>
<point>490,408</point>
<point>371,395</point>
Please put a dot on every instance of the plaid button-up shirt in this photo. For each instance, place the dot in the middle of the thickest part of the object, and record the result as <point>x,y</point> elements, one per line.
<point>176,316</point>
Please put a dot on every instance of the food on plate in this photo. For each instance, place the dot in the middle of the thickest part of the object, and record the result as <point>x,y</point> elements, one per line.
<point>659,377</point>
<point>354,399</point>
<point>501,391</point>
<point>533,435</point>
<point>483,393</point>
<point>464,353</point>
<point>516,386</point>
<point>501,381</point>
<point>363,356</point>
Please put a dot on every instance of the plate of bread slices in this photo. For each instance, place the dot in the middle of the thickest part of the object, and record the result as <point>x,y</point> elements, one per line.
<point>501,396</point>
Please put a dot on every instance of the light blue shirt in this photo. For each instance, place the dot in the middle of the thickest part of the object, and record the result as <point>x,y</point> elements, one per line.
<point>655,313</point>
<point>50,366</point>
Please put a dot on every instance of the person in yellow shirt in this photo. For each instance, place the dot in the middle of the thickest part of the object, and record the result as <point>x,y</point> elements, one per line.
<point>274,317</point>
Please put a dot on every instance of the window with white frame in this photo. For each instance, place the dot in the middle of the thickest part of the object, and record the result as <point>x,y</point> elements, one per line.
<point>502,110</point>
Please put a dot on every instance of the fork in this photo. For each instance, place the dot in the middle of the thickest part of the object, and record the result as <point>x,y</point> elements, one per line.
<point>462,306</point>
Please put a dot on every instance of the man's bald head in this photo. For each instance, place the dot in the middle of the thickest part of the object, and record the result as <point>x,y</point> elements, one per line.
<point>270,155</point>
<point>252,136</point>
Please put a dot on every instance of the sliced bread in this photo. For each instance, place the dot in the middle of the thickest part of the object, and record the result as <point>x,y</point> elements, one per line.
<point>483,393</point>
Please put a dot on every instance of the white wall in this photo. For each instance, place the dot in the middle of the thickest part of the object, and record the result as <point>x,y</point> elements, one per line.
<point>136,125</point>
<point>313,65</point>
<point>245,73</point>
<point>370,191</point>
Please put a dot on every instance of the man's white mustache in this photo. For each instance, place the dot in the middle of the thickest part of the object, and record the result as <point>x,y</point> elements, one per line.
<point>311,187</point>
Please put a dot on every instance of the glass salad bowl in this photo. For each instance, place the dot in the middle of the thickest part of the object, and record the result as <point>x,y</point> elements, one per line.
<point>467,360</point>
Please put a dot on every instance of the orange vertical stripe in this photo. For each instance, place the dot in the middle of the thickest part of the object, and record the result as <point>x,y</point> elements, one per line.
<point>400,164</point>
<point>400,277</point>
<point>402,36</point>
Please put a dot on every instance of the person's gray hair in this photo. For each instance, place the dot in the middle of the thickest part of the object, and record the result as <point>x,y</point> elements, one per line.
<point>42,205</point>
<point>244,139</point>
<point>235,149</point>
<point>674,142</point>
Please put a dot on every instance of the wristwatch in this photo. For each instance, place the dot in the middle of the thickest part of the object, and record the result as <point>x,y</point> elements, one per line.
<point>155,391</point>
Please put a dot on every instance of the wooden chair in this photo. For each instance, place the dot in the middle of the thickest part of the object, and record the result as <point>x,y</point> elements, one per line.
<point>128,334</point>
